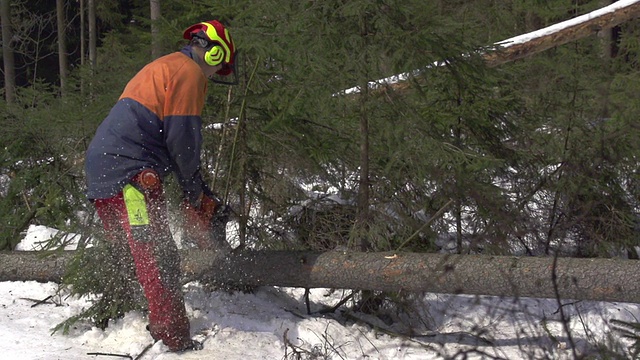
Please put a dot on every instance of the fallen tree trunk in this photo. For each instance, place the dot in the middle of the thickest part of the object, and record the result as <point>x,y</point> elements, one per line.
<point>559,34</point>
<point>532,43</point>
<point>568,278</point>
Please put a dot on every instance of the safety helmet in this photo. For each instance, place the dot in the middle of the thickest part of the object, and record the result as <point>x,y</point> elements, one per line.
<point>220,49</point>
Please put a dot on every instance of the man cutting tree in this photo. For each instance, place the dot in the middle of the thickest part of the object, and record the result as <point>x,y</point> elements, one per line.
<point>153,130</point>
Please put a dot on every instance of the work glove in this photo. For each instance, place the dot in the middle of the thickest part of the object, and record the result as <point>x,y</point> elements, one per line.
<point>206,221</point>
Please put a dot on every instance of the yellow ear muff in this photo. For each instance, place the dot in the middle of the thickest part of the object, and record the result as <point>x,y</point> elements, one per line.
<point>214,56</point>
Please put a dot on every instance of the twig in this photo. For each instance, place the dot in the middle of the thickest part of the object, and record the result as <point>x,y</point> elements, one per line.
<point>297,350</point>
<point>336,306</point>
<point>306,300</point>
<point>349,315</point>
<point>295,313</point>
<point>370,342</point>
<point>566,304</point>
<point>127,356</point>
<point>144,351</point>
<point>431,219</point>
<point>563,316</point>
<point>330,343</point>
<point>110,354</point>
<point>234,144</point>
<point>40,302</point>
<point>26,201</point>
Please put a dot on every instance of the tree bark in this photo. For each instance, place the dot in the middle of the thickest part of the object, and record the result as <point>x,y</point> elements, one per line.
<point>363,217</point>
<point>82,32</point>
<point>7,51</point>
<point>93,36</point>
<point>156,44</point>
<point>575,278</point>
<point>62,45</point>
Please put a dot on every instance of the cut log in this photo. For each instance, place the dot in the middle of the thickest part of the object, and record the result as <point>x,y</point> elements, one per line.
<point>542,277</point>
<point>33,266</point>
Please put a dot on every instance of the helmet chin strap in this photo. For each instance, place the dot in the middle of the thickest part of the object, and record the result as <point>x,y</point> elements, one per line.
<point>234,72</point>
<point>202,43</point>
<point>225,82</point>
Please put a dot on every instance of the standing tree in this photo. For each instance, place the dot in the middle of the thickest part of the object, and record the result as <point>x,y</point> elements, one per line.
<point>93,36</point>
<point>156,43</point>
<point>83,19</point>
<point>62,45</point>
<point>363,217</point>
<point>7,51</point>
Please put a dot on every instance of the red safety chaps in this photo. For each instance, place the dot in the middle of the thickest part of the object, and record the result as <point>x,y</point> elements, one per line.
<point>139,217</point>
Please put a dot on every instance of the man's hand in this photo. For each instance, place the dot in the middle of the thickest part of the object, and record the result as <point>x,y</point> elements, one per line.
<point>208,206</point>
<point>206,222</point>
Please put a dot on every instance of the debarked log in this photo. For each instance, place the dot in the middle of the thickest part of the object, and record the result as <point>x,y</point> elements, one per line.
<point>511,276</point>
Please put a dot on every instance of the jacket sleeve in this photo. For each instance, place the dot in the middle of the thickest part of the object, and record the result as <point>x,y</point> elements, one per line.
<point>183,126</point>
<point>184,142</point>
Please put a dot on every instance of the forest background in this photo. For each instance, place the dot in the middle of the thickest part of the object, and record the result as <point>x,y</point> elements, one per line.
<point>535,157</point>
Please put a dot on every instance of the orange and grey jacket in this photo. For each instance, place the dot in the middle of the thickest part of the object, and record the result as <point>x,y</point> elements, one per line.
<point>156,124</point>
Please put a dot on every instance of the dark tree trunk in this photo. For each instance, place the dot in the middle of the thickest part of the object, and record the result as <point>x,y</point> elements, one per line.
<point>62,44</point>
<point>82,31</point>
<point>7,52</point>
<point>580,279</point>
<point>93,37</point>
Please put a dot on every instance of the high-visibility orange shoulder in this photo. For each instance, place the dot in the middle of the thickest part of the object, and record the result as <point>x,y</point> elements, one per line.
<point>171,85</point>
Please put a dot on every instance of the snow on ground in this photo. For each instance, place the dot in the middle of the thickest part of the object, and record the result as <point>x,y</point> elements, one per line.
<point>272,323</point>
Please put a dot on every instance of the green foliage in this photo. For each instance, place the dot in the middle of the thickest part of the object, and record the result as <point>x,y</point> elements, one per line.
<point>297,126</point>
<point>578,155</point>
<point>540,154</point>
<point>107,271</point>
<point>44,138</point>
<point>542,149</point>
<point>461,132</point>
<point>40,164</point>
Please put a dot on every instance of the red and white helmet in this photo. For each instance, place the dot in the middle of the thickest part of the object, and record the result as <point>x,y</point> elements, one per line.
<point>220,49</point>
